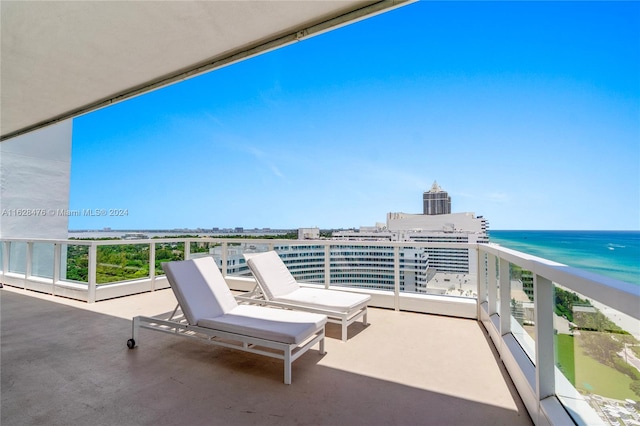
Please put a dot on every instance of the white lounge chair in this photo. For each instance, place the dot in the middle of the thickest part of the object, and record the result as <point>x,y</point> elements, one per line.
<point>278,287</point>
<point>211,312</point>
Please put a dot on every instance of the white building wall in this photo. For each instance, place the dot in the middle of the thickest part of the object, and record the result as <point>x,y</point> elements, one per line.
<point>308,233</point>
<point>453,222</point>
<point>457,264</point>
<point>35,172</point>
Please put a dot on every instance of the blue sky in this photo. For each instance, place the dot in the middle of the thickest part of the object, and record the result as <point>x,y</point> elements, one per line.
<point>527,113</point>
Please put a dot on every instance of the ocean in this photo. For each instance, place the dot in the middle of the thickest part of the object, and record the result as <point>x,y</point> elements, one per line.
<point>615,254</point>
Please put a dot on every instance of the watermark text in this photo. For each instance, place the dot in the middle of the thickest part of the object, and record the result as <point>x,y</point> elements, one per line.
<point>64,212</point>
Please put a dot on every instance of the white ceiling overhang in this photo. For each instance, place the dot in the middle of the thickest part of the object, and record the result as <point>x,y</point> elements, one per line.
<point>61,59</point>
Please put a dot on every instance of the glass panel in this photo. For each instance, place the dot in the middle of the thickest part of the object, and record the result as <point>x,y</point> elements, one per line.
<point>522,309</point>
<point>471,281</point>
<point>305,262</point>
<point>122,262</point>
<point>496,279</point>
<point>201,248</point>
<point>425,271</point>
<point>236,264</point>
<point>415,271</point>
<point>598,355</point>
<point>1,256</point>
<point>17,258</point>
<point>75,263</point>
<point>168,252</point>
<point>362,267</point>
<point>42,260</point>
<point>483,273</point>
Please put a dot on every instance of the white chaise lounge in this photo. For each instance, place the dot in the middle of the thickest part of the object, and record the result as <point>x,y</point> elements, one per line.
<point>277,287</point>
<point>211,312</point>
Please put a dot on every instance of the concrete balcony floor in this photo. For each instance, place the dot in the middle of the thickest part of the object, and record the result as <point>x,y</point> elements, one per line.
<point>66,363</point>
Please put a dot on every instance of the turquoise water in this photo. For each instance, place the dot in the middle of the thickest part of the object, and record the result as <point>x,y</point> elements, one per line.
<point>615,254</point>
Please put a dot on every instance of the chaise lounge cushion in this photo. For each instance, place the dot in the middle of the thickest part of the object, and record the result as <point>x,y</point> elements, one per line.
<point>278,285</point>
<point>206,301</point>
<point>272,274</point>
<point>338,301</point>
<point>199,288</point>
<point>267,323</point>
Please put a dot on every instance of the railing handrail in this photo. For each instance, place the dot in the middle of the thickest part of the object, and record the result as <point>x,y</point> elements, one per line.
<point>88,242</point>
<point>619,295</point>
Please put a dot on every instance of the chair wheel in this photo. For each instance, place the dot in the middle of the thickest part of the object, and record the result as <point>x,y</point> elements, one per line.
<point>131,343</point>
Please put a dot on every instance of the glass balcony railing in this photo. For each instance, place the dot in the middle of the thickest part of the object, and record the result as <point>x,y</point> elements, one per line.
<point>569,339</point>
<point>17,258</point>
<point>598,356</point>
<point>76,264</point>
<point>521,301</point>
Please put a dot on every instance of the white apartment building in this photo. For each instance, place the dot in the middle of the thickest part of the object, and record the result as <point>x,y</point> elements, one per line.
<point>370,267</point>
<point>447,223</point>
<point>422,269</point>
<point>445,228</point>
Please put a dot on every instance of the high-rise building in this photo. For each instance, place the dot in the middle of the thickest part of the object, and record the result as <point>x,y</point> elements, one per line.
<point>436,201</point>
<point>450,228</point>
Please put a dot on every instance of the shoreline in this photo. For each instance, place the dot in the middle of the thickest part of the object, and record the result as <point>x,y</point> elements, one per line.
<point>624,321</point>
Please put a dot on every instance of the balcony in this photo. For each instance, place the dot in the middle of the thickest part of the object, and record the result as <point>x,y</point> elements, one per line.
<point>434,355</point>
<point>65,362</point>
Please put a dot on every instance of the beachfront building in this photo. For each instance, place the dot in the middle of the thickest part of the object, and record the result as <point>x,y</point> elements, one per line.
<point>450,228</point>
<point>429,269</point>
<point>436,201</point>
<point>445,228</point>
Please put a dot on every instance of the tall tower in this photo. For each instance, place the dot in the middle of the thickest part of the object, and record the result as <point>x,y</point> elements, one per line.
<point>436,201</point>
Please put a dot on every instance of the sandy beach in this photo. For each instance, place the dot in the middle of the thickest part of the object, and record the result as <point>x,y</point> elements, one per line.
<point>623,321</point>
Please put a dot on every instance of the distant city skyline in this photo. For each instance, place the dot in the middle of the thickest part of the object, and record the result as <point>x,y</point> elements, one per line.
<point>524,112</point>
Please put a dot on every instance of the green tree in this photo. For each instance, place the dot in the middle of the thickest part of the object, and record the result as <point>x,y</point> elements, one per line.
<point>601,346</point>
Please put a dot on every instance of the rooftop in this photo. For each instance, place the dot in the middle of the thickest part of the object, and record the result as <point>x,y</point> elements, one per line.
<point>66,362</point>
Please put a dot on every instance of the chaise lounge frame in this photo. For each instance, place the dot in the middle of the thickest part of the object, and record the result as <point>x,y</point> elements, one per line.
<point>259,296</point>
<point>177,324</point>
<point>286,352</point>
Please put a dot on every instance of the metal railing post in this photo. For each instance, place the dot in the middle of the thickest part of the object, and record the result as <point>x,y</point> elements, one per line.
<point>152,265</point>
<point>396,277</point>
<point>92,269</point>
<point>57,259</point>
<point>505,297</point>
<point>187,249</point>
<point>6,249</point>
<point>28,267</point>
<point>327,265</point>
<point>223,258</point>
<point>545,352</point>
